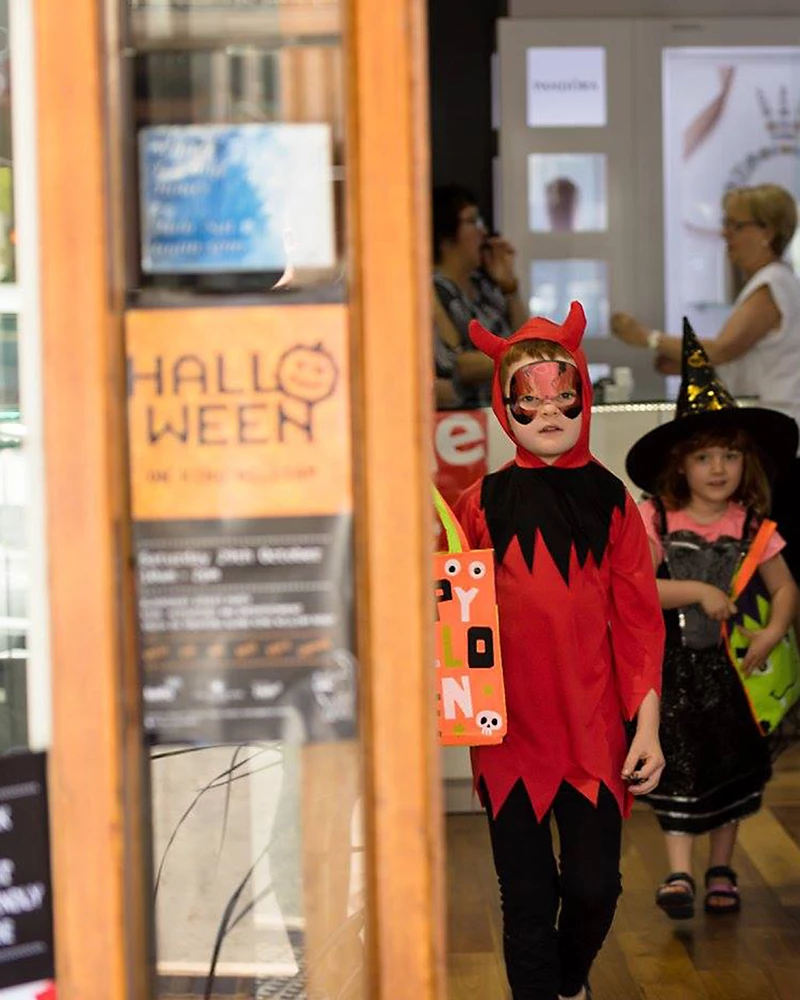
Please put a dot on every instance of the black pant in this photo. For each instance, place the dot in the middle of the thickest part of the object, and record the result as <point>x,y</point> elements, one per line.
<point>548,953</point>
<point>785,498</point>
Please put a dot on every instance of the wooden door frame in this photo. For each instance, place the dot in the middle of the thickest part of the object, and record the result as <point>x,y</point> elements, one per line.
<point>96,775</point>
<point>388,155</point>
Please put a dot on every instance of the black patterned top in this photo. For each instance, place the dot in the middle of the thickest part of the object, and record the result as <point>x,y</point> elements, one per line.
<point>490,308</point>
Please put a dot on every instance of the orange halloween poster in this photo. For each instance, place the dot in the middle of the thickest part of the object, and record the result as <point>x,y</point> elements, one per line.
<point>239,412</point>
<point>239,437</point>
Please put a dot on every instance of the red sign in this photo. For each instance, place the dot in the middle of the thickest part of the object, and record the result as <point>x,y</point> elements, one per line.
<point>460,446</point>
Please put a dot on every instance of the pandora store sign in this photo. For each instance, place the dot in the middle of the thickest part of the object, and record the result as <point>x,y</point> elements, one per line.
<point>566,87</point>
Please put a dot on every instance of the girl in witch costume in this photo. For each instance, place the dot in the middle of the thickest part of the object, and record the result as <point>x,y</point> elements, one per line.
<point>582,641</point>
<point>705,471</point>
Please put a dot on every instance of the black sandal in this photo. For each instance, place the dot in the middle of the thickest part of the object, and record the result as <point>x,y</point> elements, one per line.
<point>731,894</point>
<point>678,904</point>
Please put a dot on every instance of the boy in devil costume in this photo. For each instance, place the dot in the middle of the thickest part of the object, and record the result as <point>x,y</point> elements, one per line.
<point>582,640</point>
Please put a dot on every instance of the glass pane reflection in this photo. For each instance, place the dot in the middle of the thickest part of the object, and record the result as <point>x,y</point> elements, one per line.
<point>567,192</point>
<point>259,871</point>
<point>257,848</point>
<point>14,578</point>
<point>7,237</point>
<point>556,283</point>
<point>254,110</point>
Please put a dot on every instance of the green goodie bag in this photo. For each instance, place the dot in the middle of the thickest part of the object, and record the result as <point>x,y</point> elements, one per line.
<point>775,688</point>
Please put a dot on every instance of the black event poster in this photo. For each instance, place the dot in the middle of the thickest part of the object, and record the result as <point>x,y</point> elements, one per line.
<point>26,906</point>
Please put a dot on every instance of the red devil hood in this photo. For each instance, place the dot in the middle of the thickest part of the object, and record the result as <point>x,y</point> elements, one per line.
<point>567,336</point>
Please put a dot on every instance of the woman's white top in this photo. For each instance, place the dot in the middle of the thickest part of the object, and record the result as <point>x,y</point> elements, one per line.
<point>771,368</point>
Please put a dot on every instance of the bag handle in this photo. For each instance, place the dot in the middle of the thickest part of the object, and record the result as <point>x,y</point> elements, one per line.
<point>751,561</point>
<point>742,577</point>
<point>456,539</point>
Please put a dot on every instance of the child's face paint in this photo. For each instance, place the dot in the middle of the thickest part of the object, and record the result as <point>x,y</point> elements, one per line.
<point>545,406</point>
<point>533,386</point>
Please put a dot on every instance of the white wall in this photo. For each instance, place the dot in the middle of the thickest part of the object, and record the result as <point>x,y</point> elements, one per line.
<point>653,8</point>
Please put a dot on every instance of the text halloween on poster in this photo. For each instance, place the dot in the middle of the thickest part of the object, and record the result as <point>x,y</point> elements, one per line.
<point>239,413</point>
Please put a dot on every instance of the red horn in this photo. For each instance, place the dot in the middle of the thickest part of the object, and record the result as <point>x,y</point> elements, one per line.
<point>574,326</point>
<point>485,341</point>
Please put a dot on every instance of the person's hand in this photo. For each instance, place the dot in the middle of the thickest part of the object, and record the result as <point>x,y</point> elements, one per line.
<point>629,330</point>
<point>498,262</point>
<point>761,645</point>
<point>716,603</point>
<point>666,366</point>
<point>445,394</point>
<point>644,763</point>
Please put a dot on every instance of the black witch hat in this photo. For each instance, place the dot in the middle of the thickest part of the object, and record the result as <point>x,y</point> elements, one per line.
<point>704,403</point>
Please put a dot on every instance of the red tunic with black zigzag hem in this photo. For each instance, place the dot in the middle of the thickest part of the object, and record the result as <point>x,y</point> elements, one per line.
<point>581,629</point>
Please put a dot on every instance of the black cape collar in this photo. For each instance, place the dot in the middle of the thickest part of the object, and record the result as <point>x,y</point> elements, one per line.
<point>568,507</point>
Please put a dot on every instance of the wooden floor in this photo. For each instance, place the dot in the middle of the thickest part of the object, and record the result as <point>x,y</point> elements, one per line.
<point>754,955</point>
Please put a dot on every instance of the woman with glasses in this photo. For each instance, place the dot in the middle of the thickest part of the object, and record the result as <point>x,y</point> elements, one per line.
<point>474,278</point>
<point>757,351</point>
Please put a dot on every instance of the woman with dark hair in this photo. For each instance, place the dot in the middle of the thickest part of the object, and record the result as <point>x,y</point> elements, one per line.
<point>474,279</point>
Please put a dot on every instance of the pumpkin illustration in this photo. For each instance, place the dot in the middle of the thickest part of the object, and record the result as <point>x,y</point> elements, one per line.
<point>307,373</point>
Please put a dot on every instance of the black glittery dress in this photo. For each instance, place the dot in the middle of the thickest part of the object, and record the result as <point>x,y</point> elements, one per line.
<point>717,760</point>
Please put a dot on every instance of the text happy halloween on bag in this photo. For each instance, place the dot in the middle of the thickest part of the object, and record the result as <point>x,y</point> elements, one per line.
<point>240,421</point>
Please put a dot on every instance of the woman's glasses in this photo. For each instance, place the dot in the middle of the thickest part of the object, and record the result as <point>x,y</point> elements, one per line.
<point>473,220</point>
<point>737,225</point>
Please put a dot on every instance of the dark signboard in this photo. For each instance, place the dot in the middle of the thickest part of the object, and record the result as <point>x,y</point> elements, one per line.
<point>246,629</point>
<point>26,911</point>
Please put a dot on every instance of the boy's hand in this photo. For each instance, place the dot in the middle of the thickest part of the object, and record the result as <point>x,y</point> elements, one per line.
<point>644,763</point>
<point>761,645</point>
<point>716,603</point>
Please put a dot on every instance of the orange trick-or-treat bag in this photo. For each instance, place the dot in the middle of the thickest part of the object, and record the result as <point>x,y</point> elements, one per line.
<point>470,699</point>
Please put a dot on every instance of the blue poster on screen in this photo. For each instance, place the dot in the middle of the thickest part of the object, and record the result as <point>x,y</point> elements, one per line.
<point>223,198</point>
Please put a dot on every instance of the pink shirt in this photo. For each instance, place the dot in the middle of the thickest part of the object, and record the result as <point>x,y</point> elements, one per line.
<point>730,523</point>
